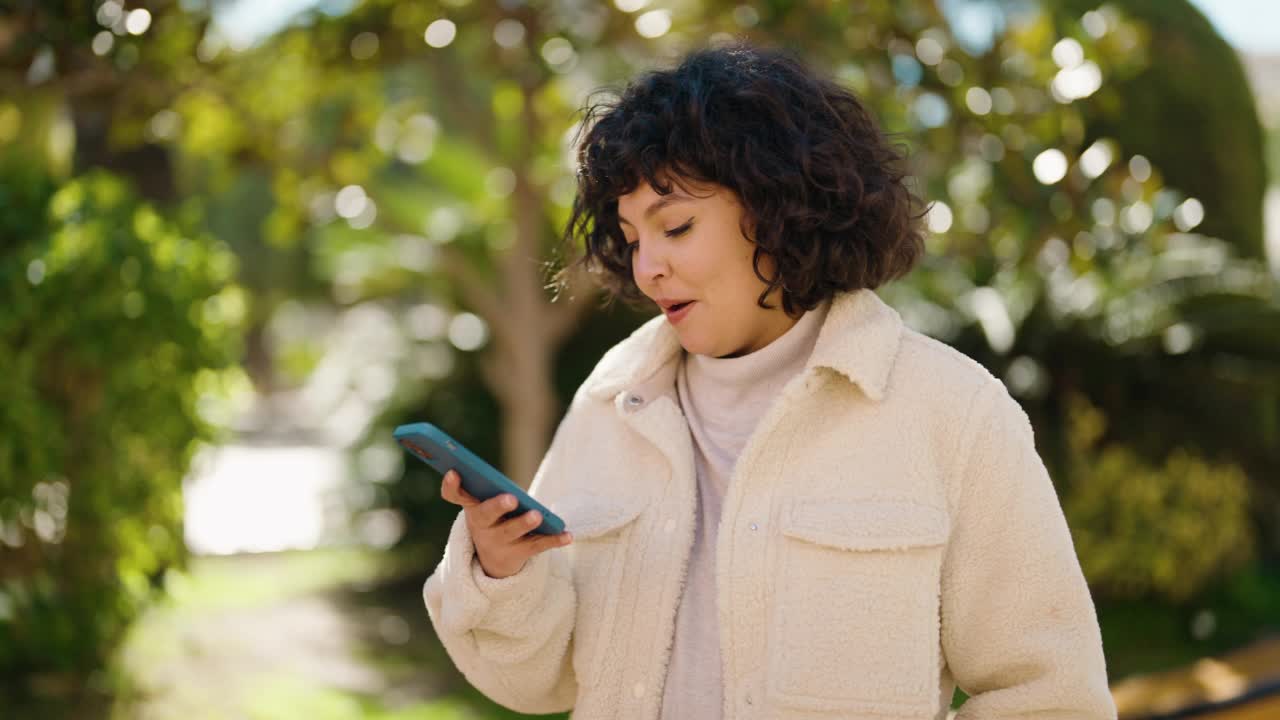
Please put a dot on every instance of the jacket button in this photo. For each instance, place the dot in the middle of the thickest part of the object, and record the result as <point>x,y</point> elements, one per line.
<point>635,400</point>
<point>754,526</point>
<point>638,690</point>
<point>748,699</point>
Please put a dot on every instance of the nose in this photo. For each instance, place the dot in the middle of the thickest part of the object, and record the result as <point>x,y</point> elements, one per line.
<point>648,264</point>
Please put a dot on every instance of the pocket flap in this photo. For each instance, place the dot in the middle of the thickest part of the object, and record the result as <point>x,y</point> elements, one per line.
<point>590,515</point>
<point>865,524</point>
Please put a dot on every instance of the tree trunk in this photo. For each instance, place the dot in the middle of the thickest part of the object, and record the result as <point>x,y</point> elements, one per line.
<point>526,326</point>
<point>527,348</point>
<point>530,408</point>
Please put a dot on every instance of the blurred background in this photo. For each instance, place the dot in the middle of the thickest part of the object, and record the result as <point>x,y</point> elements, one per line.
<point>242,241</point>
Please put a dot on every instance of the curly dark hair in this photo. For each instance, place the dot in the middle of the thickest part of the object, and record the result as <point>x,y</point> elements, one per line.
<point>824,193</point>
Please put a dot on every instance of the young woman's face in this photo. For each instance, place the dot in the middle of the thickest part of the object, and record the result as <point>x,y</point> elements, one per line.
<point>689,246</point>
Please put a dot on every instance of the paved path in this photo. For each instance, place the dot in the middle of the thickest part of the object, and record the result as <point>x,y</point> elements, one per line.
<point>255,637</point>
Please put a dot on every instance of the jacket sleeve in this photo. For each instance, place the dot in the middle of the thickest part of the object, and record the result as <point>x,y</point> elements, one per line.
<point>509,637</point>
<point>1019,629</point>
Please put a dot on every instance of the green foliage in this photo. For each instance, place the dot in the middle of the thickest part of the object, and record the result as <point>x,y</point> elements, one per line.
<point>1141,636</point>
<point>1273,153</point>
<point>114,329</point>
<point>1144,530</point>
<point>1186,105</point>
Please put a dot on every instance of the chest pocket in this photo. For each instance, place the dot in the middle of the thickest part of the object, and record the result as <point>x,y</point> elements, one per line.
<point>601,528</point>
<point>856,625</point>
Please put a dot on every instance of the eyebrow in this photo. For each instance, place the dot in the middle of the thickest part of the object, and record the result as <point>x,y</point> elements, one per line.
<point>658,204</point>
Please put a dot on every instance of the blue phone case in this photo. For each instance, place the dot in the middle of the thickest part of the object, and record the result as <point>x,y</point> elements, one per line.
<point>433,446</point>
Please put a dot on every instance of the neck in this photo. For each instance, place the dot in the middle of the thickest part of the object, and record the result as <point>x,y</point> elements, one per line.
<point>775,331</point>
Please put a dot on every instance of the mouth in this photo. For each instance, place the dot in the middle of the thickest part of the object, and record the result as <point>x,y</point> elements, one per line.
<point>675,311</point>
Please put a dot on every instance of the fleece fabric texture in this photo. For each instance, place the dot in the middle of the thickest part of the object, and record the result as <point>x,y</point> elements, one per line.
<point>722,399</point>
<point>889,532</point>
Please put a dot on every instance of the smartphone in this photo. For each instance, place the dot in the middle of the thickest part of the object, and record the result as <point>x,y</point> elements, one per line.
<point>433,446</point>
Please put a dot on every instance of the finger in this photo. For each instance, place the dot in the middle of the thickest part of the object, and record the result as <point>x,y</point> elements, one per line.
<point>447,493</point>
<point>457,482</point>
<point>517,527</point>
<point>541,543</point>
<point>489,513</point>
<point>451,490</point>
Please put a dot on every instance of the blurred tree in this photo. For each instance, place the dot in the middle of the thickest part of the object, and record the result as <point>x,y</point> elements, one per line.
<point>274,145</point>
<point>113,329</point>
<point>1181,99</point>
<point>116,75</point>
<point>115,326</point>
<point>88,55</point>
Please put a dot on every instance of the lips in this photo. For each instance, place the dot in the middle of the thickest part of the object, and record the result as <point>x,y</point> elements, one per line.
<point>669,304</point>
<point>676,311</point>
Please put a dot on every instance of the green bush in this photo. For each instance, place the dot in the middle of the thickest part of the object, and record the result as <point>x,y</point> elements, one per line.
<point>1148,531</point>
<point>113,327</point>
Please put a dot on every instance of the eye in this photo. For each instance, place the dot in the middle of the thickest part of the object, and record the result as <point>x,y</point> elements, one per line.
<point>676,232</point>
<point>631,246</point>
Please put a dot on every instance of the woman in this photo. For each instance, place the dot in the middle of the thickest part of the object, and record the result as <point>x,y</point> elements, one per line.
<point>781,502</point>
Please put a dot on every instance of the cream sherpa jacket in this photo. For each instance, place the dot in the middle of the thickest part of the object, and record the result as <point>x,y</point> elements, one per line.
<point>889,533</point>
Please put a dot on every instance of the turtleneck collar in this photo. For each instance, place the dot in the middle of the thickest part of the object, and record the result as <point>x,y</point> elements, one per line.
<point>723,397</point>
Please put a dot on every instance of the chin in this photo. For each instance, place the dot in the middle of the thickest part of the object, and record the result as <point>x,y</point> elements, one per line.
<point>695,346</point>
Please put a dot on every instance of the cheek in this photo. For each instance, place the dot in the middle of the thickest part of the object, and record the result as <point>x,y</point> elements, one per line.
<point>745,279</point>
<point>725,262</point>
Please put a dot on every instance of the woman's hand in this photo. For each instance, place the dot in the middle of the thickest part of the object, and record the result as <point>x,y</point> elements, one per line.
<point>501,545</point>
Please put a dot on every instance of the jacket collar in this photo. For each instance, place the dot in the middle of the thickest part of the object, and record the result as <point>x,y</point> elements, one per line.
<point>859,340</point>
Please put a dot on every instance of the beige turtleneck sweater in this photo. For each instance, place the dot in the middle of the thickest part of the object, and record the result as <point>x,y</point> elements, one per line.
<point>723,400</point>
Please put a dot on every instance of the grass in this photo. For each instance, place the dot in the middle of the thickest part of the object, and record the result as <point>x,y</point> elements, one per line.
<point>334,633</point>
<point>254,580</point>
<point>1143,637</point>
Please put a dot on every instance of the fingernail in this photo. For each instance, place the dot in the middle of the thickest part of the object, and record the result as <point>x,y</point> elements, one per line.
<point>509,501</point>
